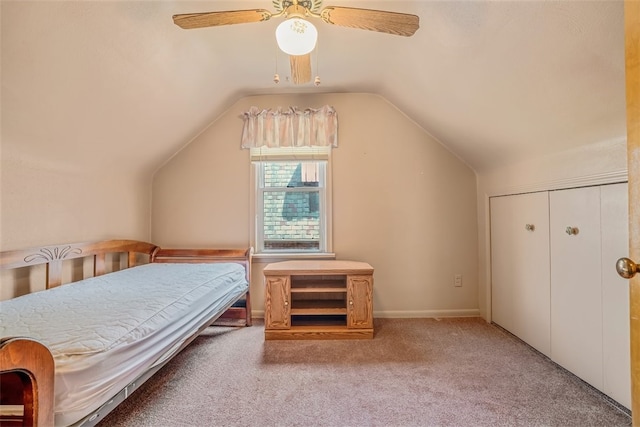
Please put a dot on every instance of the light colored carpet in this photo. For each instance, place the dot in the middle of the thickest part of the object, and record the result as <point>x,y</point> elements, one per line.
<point>415,372</point>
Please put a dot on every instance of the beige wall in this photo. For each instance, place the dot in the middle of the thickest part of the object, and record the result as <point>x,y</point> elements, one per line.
<point>401,202</point>
<point>600,163</point>
<point>44,203</point>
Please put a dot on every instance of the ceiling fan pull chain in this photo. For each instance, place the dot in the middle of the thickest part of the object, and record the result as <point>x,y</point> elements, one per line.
<point>316,81</point>
<point>276,76</point>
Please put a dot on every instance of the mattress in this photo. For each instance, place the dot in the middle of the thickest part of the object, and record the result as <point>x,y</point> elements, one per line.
<point>106,331</point>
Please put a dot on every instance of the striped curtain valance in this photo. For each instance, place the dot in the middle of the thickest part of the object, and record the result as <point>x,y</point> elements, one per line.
<point>291,127</point>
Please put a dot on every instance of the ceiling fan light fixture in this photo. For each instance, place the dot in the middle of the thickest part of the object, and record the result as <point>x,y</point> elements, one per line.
<point>296,36</point>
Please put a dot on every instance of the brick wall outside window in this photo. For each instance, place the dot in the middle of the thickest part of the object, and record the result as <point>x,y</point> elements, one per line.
<point>291,219</point>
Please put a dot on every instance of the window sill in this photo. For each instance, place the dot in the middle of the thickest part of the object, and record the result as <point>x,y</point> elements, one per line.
<point>270,257</point>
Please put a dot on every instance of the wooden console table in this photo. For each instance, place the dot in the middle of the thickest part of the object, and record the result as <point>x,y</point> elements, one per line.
<point>324,299</point>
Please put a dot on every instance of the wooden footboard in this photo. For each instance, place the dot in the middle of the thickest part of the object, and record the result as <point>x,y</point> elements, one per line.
<point>239,314</point>
<point>26,366</point>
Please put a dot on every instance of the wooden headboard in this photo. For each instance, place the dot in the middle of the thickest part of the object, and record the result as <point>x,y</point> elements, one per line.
<point>53,256</point>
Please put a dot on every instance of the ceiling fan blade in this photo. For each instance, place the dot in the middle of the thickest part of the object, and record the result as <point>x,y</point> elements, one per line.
<point>401,24</point>
<point>300,68</point>
<point>213,19</point>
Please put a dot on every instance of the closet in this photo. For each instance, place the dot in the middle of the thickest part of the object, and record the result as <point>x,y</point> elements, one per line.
<point>520,267</point>
<point>554,283</point>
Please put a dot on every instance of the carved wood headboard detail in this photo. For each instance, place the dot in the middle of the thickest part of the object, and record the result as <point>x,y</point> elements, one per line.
<point>53,256</point>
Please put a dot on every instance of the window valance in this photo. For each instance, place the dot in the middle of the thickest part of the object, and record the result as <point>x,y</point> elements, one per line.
<point>291,127</point>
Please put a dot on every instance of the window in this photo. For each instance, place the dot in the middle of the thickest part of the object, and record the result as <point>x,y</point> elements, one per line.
<point>292,200</point>
<point>290,151</point>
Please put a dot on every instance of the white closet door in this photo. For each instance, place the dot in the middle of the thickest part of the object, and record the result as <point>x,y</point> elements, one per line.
<point>576,292</point>
<point>520,267</point>
<point>615,293</point>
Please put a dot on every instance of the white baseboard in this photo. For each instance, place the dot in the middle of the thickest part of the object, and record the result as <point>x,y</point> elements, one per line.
<point>401,314</point>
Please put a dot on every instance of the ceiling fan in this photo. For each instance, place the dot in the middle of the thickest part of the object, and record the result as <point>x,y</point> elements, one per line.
<point>297,36</point>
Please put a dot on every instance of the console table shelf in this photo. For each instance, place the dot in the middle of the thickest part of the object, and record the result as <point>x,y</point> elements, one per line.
<point>318,288</point>
<point>328,299</point>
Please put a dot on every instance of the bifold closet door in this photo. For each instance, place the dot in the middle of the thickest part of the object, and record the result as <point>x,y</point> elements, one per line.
<point>576,292</point>
<point>614,210</point>
<point>520,267</point>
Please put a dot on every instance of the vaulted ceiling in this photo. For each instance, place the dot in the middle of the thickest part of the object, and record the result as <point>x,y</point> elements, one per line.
<point>116,84</point>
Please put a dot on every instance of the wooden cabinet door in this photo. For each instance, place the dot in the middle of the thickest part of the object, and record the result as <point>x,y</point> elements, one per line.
<point>576,276</point>
<point>360,301</point>
<point>277,304</point>
<point>614,210</point>
<point>520,286</point>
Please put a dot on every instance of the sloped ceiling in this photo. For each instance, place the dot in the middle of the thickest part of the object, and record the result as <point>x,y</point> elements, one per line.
<point>115,84</point>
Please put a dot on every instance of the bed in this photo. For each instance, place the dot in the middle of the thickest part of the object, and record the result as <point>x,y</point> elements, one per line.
<point>71,353</point>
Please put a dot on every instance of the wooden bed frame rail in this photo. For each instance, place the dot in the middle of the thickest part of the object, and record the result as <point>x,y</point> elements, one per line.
<point>30,365</point>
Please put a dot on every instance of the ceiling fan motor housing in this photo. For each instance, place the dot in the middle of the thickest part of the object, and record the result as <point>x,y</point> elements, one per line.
<point>310,5</point>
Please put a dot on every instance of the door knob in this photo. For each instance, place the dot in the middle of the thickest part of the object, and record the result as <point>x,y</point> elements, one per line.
<point>572,231</point>
<point>626,268</point>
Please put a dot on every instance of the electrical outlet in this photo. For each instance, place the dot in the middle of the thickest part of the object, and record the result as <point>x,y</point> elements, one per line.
<point>457,280</point>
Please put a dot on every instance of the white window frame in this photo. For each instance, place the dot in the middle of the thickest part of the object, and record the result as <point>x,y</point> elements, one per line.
<point>259,156</point>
